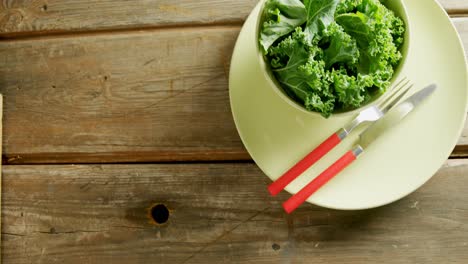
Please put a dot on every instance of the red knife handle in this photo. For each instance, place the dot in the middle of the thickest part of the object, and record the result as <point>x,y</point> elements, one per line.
<point>296,200</point>
<point>278,185</point>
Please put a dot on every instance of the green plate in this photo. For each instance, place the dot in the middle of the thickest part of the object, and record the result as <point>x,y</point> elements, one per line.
<point>277,134</point>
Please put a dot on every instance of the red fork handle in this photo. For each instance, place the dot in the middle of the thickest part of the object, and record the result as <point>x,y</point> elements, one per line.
<point>296,200</point>
<point>278,185</point>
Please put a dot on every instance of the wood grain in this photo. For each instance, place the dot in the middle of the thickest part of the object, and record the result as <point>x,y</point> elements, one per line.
<point>1,135</point>
<point>150,96</point>
<point>147,96</point>
<point>219,213</point>
<point>39,16</point>
<point>55,16</point>
<point>455,7</point>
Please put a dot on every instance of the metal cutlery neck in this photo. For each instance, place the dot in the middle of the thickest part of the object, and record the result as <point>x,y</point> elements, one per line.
<point>368,116</point>
<point>358,150</point>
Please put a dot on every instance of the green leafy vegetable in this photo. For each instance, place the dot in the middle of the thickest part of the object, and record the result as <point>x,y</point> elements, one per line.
<point>357,26</point>
<point>342,47</point>
<point>347,6</point>
<point>331,55</point>
<point>320,14</point>
<point>281,18</point>
<point>296,69</point>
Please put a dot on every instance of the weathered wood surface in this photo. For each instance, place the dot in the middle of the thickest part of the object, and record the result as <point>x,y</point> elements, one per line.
<point>144,96</point>
<point>146,81</point>
<point>1,134</point>
<point>459,7</point>
<point>26,16</point>
<point>218,214</point>
<point>44,17</point>
<point>158,95</point>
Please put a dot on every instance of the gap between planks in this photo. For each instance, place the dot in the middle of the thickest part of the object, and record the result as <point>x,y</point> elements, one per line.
<point>453,156</point>
<point>18,36</point>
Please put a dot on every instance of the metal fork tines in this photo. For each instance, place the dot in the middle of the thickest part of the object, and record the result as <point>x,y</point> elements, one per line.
<point>378,110</point>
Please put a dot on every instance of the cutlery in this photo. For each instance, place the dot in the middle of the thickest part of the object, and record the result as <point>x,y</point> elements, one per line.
<point>368,115</point>
<point>365,139</point>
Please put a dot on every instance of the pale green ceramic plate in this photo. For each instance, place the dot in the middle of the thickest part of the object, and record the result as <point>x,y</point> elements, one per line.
<point>277,135</point>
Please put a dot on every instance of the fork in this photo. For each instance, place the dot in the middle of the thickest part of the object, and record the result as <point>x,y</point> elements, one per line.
<point>369,115</point>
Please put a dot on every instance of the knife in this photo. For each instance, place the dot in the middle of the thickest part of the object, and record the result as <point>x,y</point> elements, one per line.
<point>365,139</point>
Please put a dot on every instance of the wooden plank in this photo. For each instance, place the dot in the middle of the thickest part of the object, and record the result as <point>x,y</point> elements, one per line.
<point>39,17</point>
<point>455,7</point>
<point>219,213</point>
<point>146,96</point>
<point>1,135</point>
<point>26,16</point>
<point>150,96</point>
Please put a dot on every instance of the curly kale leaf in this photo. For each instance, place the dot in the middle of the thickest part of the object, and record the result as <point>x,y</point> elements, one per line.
<point>281,18</point>
<point>331,55</point>
<point>302,73</point>
<point>320,14</point>
<point>379,34</point>
<point>342,47</point>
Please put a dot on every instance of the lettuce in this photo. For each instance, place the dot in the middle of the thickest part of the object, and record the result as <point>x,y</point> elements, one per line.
<point>331,55</point>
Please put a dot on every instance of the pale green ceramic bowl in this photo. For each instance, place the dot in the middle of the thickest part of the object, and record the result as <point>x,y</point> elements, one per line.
<point>396,6</point>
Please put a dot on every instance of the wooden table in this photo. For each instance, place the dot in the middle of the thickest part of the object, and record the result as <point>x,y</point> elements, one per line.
<point>114,106</point>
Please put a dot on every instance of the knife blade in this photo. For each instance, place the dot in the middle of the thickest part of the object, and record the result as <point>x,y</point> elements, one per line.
<point>365,139</point>
<point>394,117</point>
